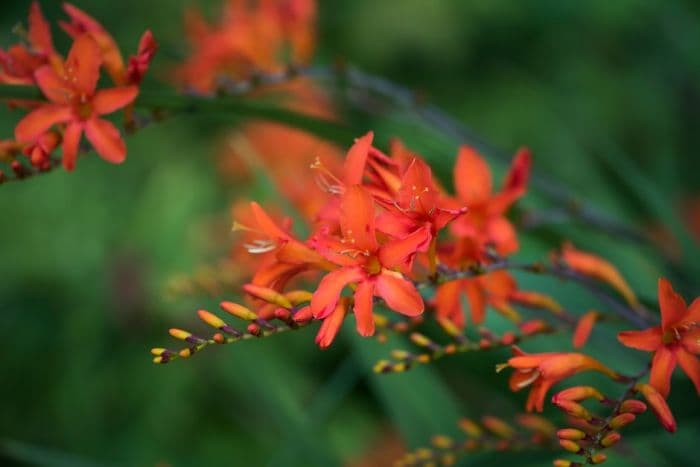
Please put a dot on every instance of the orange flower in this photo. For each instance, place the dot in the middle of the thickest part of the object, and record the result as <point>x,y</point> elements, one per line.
<point>367,264</point>
<point>486,224</point>
<point>541,371</point>
<point>70,88</point>
<point>18,63</point>
<point>676,341</point>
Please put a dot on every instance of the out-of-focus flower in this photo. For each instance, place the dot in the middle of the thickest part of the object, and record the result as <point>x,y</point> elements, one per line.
<point>675,342</point>
<point>70,87</point>
<point>485,224</point>
<point>583,329</point>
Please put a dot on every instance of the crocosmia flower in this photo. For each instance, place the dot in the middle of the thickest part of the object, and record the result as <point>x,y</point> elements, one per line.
<point>675,342</point>
<point>75,102</point>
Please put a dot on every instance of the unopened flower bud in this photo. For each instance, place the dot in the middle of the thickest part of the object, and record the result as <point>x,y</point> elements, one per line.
<point>598,458</point>
<point>268,295</point>
<point>658,406</point>
<point>498,427</point>
<point>239,311</point>
<point>569,445</point>
<point>571,434</point>
<point>622,420</point>
<point>578,393</point>
<point>610,439</point>
<point>633,406</point>
<point>211,319</point>
<point>470,427</point>
<point>574,409</point>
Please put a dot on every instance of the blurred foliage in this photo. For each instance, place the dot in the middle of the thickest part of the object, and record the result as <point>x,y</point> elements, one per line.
<point>605,93</point>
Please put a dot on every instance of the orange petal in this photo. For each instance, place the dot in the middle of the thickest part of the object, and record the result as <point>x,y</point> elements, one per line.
<point>39,30</point>
<point>84,60</point>
<point>472,177</point>
<point>417,190</point>
<point>108,100</point>
<point>448,304</point>
<point>502,234</point>
<point>363,308</point>
<point>515,182</point>
<point>36,122</point>
<point>53,86</point>
<point>692,317</point>
<point>594,266</point>
<point>476,299</point>
<point>691,341</point>
<point>662,366</point>
<point>71,140</point>
<point>328,292</point>
<point>399,294</point>
<point>357,219</point>
<point>584,328</point>
<point>397,252</point>
<point>691,366</point>
<point>106,140</point>
<point>648,340</point>
<point>266,224</point>
<point>672,305</point>
<point>330,326</point>
<point>658,404</point>
<point>354,166</point>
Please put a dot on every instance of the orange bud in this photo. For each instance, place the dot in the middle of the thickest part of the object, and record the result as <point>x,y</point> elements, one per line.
<point>658,406</point>
<point>179,334</point>
<point>578,393</point>
<point>498,427</point>
<point>420,340</point>
<point>571,434</point>
<point>303,315</point>
<point>442,442</point>
<point>536,300</point>
<point>297,297</point>
<point>598,458</point>
<point>470,427</point>
<point>535,326</point>
<point>268,295</point>
<point>536,423</point>
<point>569,445</point>
<point>573,409</point>
<point>239,311</point>
<point>584,328</point>
<point>449,327</point>
<point>633,406</point>
<point>621,420</point>
<point>610,439</point>
<point>562,463</point>
<point>596,267</point>
<point>211,319</point>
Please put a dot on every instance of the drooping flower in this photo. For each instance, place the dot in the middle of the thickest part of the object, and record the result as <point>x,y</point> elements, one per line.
<point>372,268</point>
<point>541,371</point>
<point>486,223</point>
<point>70,87</point>
<point>675,342</point>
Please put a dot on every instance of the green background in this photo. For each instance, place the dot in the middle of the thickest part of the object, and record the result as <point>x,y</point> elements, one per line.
<point>606,95</point>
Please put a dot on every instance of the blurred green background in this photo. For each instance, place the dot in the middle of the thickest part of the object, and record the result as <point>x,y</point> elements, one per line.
<point>605,93</point>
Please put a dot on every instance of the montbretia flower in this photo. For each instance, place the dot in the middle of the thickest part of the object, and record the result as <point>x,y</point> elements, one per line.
<point>541,371</point>
<point>485,224</point>
<point>372,268</point>
<point>70,87</point>
<point>19,62</point>
<point>675,342</point>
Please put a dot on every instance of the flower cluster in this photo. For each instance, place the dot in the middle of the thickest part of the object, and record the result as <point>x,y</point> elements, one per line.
<point>74,104</point>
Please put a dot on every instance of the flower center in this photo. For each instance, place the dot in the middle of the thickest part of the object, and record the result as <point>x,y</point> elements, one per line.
<point>373,266</point>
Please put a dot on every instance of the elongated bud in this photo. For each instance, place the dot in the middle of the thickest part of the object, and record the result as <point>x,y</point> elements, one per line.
<point>297,297</point>
<point>658,406</point>
<point>420,340</point>
<point>449,327</point>
<point>571,434</point>
<point>578,393</point>
<point>536,300</point>
<point>211,319</point>
<point>537,424</point>
<point>303,315</point>
<point>569,445</point>
<point>498,427</point>
<point>598,458</point>
<point>621,420</point>
<point>534,326</point>
<point>470,427</point>
<point>633,406</point>
<point>561,463</point>
<point>584,328</point>
<point>239,311</point>
<point>268,295</point>
<point>442,442</point>
<point>186,336</point>
<point>610,439</point>
<point>573,409</point>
